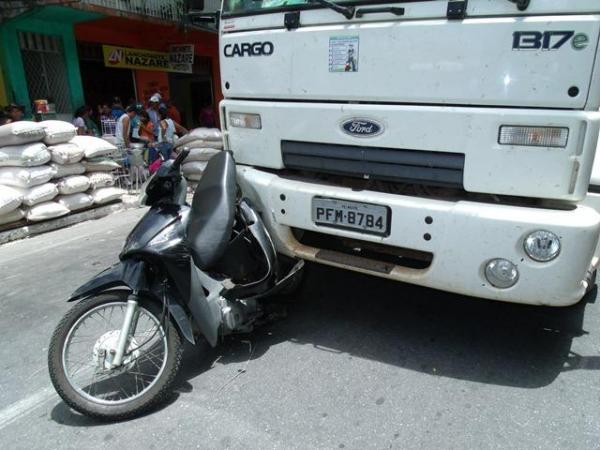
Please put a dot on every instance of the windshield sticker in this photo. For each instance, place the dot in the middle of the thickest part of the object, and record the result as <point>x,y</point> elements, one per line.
<point>343,54</point>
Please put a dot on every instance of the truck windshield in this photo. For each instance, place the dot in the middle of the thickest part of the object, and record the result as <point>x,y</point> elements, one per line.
<point>249,6</point>
<point>234,7</point>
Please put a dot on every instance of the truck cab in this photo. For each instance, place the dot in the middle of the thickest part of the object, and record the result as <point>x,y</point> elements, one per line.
<point>448,144</point>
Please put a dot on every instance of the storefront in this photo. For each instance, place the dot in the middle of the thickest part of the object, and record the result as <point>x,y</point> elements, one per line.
<point>58,53</point>
<point>39,58</point>
<point>130,59</point>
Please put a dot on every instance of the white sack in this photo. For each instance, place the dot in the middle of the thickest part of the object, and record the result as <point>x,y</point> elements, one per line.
<point>10,199</point>
<point>13,216</point>
<point>193,167</point>
<point>38,194</point>
<point>66,153</point>
<point>25,176</point>
<point>44,211</point>
<point>109,138</point>
<point>101,179</point>
<point>199,143</point>
<point>100,165</point>
<point>58,131</point>
<point>193,177</point>
<point>105,195</point>
<point>93,146</point>
<point>18,133</point>
<point>202,134</point>
<point>201,154</point>
<point>73,184</point>
<point>73,202</point>
<point>25,155</point>
<point>64,170</point>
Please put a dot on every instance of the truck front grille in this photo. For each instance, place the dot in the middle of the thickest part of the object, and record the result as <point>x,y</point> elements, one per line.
<point>391,164</point>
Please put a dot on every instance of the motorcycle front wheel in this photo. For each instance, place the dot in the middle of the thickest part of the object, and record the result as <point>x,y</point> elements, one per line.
<point>82,347</point>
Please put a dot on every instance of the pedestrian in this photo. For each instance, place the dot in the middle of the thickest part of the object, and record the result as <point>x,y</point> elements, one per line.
<point>104,112</point>
<point>15,112</point>
<point>207,116</point>
<point>135,123</point>
<point>154,105</point>
<point>173,111</point>
<point>117,108</point>
<point>79,120</point>
<point>146,128</point>
<point>123,129</point>
<point>4,118</point>
<point>166,135</point>
<point>90,123</point>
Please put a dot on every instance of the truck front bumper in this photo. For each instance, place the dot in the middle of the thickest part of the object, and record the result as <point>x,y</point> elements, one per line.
<point>464,236</point>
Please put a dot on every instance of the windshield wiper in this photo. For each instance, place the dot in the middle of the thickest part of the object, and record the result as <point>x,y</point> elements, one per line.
<point>346,11</point>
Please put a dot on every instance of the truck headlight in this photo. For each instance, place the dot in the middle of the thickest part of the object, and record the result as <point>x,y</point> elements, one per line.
<point>542,245</point>
<point>244,120</point>
<point>501,273</point>
<point>533,136</point>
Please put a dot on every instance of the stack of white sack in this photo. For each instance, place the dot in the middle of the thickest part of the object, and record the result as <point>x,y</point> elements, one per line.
<point>203,143</point>
<point>99,168</point>
<point>47,171</point>
<point>41,199</point>
<point>25,172</point>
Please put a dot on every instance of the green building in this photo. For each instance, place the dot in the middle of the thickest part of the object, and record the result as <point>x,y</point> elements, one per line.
<point>38,53</point>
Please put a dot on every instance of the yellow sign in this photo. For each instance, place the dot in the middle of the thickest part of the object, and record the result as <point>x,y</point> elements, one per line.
<point>132,58</point>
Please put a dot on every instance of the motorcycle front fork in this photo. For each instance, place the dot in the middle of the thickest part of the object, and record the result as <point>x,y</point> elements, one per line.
<point>127,329</point>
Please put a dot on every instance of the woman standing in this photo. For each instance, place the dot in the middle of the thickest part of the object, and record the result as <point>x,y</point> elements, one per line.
<point>146,128</point>
<point>90,123</point>
<point>79,120</point>
<point>123,128</point>
<point>167,131</point>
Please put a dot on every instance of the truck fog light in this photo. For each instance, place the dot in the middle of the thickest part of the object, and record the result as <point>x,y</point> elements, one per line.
<point>243,120</point>
<point>501,273</point>
<point>534,136</point>
<point>542,245</point>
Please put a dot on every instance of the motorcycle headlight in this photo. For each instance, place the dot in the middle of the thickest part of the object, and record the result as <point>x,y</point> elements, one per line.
<point>167,236</point>
<point>542,245</point>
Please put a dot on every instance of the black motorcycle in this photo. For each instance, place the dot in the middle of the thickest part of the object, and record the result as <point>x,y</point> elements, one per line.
<point>185,273</point>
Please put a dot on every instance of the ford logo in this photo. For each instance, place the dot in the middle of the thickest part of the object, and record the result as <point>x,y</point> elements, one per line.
<point>361,127</point>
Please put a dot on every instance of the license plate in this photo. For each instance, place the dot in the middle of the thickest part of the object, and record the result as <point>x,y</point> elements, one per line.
<point>363,217</point>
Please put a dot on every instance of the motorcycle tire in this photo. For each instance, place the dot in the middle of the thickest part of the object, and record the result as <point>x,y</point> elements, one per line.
<point>155,395</point>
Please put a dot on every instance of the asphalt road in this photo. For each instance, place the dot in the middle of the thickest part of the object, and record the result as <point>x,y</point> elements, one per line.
<point>358,363</point>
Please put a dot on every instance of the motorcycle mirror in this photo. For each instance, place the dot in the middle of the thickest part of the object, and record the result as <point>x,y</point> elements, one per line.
<point>180,158</point>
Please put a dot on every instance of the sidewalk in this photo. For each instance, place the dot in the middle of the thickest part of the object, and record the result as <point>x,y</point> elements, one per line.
<point>128,202</point>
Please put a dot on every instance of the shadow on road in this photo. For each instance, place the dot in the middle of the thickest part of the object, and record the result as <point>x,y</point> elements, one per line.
<point>427,331</point>
<point>410,327</point>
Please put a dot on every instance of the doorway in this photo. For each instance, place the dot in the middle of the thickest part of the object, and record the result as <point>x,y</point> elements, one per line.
<point>100,83</point>
<point>192,91</point>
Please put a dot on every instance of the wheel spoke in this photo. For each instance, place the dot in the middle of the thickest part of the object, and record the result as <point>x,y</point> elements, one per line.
<point>94,332</point>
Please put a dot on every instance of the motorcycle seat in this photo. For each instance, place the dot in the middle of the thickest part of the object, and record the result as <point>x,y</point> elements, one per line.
<point>213,211</point>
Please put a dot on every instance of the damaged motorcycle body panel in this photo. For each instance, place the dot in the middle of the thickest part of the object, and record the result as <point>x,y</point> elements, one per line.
<point>211,280</point>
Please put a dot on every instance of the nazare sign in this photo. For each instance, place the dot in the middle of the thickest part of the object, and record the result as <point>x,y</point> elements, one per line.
<point>179,59</point>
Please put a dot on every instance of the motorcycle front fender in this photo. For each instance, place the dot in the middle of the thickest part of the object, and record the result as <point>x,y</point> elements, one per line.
<point>132,275</point>
<point>126,273</point>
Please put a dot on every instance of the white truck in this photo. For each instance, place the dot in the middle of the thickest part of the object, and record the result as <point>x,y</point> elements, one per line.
<point>448,144</point>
